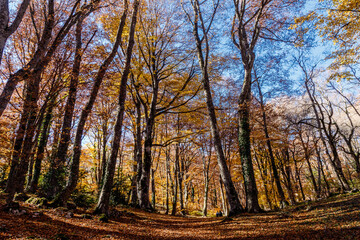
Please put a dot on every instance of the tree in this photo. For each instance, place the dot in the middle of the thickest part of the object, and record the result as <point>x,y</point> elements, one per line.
<point>63,196</point>
<point>104,198</point>
<point>200,33</point>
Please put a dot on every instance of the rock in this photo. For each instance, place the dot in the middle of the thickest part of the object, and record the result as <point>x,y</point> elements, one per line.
<point>71,206</point>
<point>103,218</point>
<point>309,208</point>
<point>21,197</point>
<point>3,228</point>
<point>37,214</point>
<point>87,216</point>
<point>69,215</point>
<point>36,201</point>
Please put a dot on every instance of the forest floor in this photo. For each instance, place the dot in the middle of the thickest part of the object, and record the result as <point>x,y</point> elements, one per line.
<point>337,217</point>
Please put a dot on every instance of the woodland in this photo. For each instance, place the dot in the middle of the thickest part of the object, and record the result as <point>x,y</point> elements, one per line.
<point>180,109</point>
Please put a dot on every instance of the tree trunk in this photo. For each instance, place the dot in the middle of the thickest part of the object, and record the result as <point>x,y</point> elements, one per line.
<point>24,138</point>
<point>74,166</point>
<point>44,134</point>
<point>283,202</point>
<point>203,53</point>
<point>57,165</point>
<point>153,190</point>
<point>149,131</point>
<point>252,204</point>
<point>175,184</point>
<point>104,198</point>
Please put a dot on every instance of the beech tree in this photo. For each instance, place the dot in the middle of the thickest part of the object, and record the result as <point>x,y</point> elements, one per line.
<point>200,33</point>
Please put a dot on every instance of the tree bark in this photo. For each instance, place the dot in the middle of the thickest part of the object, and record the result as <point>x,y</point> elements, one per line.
<point>64,195</point>
<point>252,204</point>
<point>32,185</point>
<point>203,55</point>
<point>283,202</point>
<point>104,198</point>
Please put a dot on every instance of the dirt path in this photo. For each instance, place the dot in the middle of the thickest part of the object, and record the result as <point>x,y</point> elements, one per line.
<point>336,218</point>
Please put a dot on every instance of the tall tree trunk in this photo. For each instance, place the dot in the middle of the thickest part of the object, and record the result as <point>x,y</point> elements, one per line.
<point>44,135</point>
<point>297,173</point>
<point>252,204</point>
<point>181,193</point>
<point>203,55</point>
<point>283,202</point>
<point>75,163</point>
<point>175,183</point>
<point>153,190</point>
<point>206,194</point>
<point>167,165</point>
<point>24,138</point>
<point>57,169</point>
<point>149,132</point>
<point>104,198</point>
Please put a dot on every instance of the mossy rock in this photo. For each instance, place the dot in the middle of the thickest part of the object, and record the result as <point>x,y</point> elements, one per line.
<point>22,197</point>
<point>61,236</point>
<point>37,201</point>
<point>71,206</point>
<point>87,216</point>
<point>11,205</point>
<point>103,218</point>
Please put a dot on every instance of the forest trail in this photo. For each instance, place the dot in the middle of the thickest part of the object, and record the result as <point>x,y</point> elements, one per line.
<point>335,218</point>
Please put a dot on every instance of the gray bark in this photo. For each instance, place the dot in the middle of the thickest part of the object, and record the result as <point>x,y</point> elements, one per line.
<point>203,57</point>
<point>104,198</point>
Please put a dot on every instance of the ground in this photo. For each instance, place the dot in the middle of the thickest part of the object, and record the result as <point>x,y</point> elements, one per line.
<point>335,218</point>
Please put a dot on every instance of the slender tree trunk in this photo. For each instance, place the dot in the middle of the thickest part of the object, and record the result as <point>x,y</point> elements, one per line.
<point>283,202</point>
<point>181,193</point>
<point>153,190</point>
<point>297,172</point>
<point>104,198</point>
<point>44,135</point>
<point>167,165</point>
<point>104,148</point>
<point>74,166</point>
<point>206,194</point>
<point>57,167</point>
<point>175,183</point>
<point>203,54</point>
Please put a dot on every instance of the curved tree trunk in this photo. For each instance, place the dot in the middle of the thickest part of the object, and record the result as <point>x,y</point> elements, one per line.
<point>63,196</point>
<point>44,134</point>
<point>104,198</point>
<point>203,55</point>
